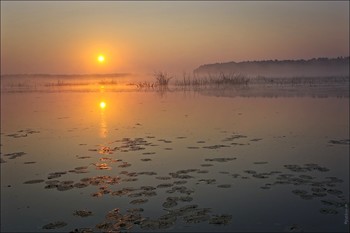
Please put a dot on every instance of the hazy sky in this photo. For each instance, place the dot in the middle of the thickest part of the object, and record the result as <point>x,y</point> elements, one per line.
<point>66,37</point>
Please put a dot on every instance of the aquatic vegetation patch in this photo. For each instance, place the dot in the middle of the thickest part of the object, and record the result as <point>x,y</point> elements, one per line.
<point>224,186</point>
<point>54,225</point>
<point>33,181</point>
<point>23,133</point>
<point>82,213</point>
<point>30,162</point>
<point>15,155</point>
<point>222,160</point>
<point>146,159</point>
<point>328,211</point>
<point>259,163</point>
<point>138,201</point>
<point>340,142</point>
<point>223,219</point>
<point>218,146</point>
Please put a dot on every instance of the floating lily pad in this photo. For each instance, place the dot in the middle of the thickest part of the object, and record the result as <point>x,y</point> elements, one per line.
<point>334,179</point>
<point>340,142</point>
<point>220,159</point>
<point>146,159</point>
<point>31,162</point>
<point>256,139</point>
<point>148,153</point>
<point>133,210</point>
<point>33,181</point>
<point>15,155</point>
<point>149,193</point>
<point>235,175</point>
<point>260,176</point>
<point>62,187</point>
<point>299,192</point>
<point>223,219</point>
<point>294,228</point>
<point>56,175</point>
<point>328,211</point>
<point>169,204</point>
<point>53,182</point>
<point>196,218</point>
<point>260,163</point>
<point>135,195</point>
<point>82,213</point>
<point>54,225</point>
<point>224,186</point>
<point>67,182</point>
<point>125,164</point>
<point>165,185</point>
<point>215,146</point>
<point>186,199</point>
<point>207,181</point>
<point>130,179</point>
<point>249,171</point>
<point>224,172</point>
<point>333,203</point>
<point>81,185</point>
<point>82,230</point>
<point>147,188</point>
<point>148,173</point>
<point>334,191</point>
<point>163,177</point>
<point>318,189</point>
<point>104,225</point>
<point>150,224</point>
<point>102,166</point>
<point>138,201</point>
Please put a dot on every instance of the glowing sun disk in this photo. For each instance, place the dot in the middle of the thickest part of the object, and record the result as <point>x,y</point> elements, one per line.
<point>102,105</point>
<point>101,58</point>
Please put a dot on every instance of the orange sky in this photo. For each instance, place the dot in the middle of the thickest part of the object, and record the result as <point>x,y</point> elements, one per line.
<point>66,37</point>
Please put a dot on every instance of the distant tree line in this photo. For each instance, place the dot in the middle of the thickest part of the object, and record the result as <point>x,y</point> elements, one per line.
<point>315,67</point>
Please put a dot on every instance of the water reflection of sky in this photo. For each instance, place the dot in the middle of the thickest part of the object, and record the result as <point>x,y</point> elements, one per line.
<point>292,131</point>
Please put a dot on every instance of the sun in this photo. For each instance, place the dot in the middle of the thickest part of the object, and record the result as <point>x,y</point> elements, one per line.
<point>101,58</point>
<point>102,105</point>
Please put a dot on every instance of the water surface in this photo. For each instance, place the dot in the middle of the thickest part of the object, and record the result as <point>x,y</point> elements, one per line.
<point>213,161</point>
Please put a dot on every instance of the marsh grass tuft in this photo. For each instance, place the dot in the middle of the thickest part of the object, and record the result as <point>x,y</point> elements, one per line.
<point>162,78</point>
<point>61,83</point>
<point>209,80</point>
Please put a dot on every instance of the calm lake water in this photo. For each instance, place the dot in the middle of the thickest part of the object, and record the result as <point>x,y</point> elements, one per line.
<point>173,160</point>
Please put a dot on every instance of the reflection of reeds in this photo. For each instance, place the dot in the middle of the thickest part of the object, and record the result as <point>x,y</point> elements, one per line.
<point>106,82</point>
<point>301,81</point>
<point>61,83</point>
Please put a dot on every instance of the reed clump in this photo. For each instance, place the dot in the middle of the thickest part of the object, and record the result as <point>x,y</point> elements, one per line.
<point>209,80</point>
<point>61,83</point>
<point>162,78</point>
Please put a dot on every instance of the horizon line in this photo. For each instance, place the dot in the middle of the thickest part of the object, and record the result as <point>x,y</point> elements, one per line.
<point>131,73</point>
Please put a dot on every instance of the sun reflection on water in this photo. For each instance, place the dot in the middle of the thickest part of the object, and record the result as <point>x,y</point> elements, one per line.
<point>103,123</point>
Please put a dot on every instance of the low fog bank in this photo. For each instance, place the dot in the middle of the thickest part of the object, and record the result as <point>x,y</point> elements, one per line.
<point>316,67</point>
